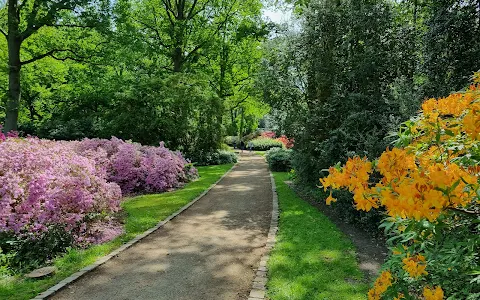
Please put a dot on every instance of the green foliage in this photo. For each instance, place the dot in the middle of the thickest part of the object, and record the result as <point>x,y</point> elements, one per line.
<point>263,144</point>
<point>26,254</point>
<point>232,140</point>
<point>184,76</point>
<point>279,159</point>
<point>356,70</point>
<point>218,157</point>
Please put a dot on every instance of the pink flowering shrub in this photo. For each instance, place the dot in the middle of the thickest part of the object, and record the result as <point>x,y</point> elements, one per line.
<point>58,194</point>
<point>268,134</point>
<point>138,168</point>
<point>44,183</point>
<point>49,198</point>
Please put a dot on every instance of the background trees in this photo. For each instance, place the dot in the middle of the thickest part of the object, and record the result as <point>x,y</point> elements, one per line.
<point>177,71</point>
<point>351,71</point>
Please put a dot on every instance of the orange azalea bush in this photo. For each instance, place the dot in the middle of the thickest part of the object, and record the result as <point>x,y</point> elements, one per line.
<point>428,186</point>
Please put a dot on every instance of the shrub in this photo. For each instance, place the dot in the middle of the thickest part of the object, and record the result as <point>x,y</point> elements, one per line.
<point>232,140</point>
<point>216,158</point>
<point>263,144</point>
<point>279,159</point>
<point>224,147</point>
<point>429,187</point>
<point>288,143</point>
<point>138,168</point>
<point>46,188</point>
<point>227,157</point>
<point>268,134</point>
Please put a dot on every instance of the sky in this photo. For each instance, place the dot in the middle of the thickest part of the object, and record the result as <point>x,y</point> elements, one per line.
<point>277,15</point>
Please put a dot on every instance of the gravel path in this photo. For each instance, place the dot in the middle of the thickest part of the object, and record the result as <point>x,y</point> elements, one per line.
<point>208,252</point>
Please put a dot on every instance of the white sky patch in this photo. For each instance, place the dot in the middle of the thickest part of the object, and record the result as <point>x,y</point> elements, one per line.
<point>278,15</point>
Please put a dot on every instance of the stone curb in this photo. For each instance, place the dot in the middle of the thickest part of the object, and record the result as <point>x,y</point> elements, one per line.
<point>259,288</point>
<point>52,290</point>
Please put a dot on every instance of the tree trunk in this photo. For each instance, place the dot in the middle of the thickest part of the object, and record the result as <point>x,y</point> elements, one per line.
<point>240,133</point>
<point>14,66</point>
<point>415,12</point>
<point>177,60</point>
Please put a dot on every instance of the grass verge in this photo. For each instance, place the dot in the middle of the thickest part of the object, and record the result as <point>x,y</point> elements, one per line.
<point>312,259</point>
<point>261,153</point>
<point>143,212</point>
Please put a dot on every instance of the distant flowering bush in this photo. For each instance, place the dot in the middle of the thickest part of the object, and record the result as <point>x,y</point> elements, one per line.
<point>138,168</point>
<point>264,144</point>
<point>268,134</point>
<point>288,143</point>
<point>429,187</point>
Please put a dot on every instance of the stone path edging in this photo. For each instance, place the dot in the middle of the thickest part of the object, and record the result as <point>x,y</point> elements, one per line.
<point>52,290</point>
<point>259,283</point>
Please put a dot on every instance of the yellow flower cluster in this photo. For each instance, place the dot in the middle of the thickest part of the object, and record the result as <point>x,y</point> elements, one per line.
<point>455,112</point>
<point>354,176</point>
<point>420,182</point>
<point>433,294</point>
<point>383,282</point>
<point>415,266</point>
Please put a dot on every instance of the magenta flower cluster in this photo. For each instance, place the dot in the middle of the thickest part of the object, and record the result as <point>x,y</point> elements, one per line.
<point>136,168</point>
<point>78,185</point>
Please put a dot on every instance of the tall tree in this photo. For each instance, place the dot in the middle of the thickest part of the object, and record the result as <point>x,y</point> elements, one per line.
<point>180,30</point>
<point>21,20</point>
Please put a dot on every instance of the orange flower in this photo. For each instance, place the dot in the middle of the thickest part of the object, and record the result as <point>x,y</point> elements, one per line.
<point>415,266</point>
<point>330,199</point>
<point>433,294</point>
<point>383,282</point>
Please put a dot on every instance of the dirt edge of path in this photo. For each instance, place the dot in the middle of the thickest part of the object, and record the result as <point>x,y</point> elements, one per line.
<point>371,251</point>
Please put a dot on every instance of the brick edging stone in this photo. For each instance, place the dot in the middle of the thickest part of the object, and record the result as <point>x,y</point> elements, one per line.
<point>259,282</point>
<point>62,284</point>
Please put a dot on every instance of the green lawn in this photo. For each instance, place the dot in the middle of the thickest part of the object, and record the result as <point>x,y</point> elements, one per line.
<point>143,212</point>
<point>312,259</point>
<point>261,153</point>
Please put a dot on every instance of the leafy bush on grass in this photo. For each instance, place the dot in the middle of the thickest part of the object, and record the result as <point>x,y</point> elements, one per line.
<point>231,140</point>
<point>219,157</point>
<point>264,144</point>
<point>279,159</point>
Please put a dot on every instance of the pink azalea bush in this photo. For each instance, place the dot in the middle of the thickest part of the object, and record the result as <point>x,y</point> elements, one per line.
<point>268,134</point>
<point>45,183</point>
<point>58,194</point>
<point>138,168</point>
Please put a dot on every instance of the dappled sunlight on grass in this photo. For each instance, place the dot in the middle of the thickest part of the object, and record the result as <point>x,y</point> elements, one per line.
<point>143,212</point>
<point>312,258</point>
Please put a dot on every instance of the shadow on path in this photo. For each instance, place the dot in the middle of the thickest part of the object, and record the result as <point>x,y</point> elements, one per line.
<point>208,252</point>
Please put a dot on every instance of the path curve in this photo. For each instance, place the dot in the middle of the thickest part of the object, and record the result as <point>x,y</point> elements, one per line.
<point>211,251</point>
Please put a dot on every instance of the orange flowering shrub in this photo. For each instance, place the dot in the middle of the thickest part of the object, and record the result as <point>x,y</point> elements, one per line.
<point>428,186</point>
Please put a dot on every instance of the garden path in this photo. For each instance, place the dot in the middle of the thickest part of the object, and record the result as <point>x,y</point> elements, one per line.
<point>210,251</point>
